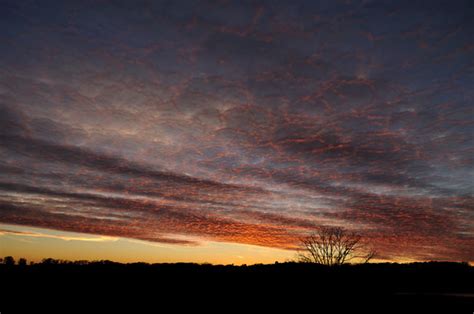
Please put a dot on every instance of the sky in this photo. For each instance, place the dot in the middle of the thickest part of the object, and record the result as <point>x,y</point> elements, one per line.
<point>225,131</point>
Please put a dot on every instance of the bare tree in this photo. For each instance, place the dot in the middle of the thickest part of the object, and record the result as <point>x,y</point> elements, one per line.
<point>334,246</point>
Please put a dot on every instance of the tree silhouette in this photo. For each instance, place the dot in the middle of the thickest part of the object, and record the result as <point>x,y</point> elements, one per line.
<point>50,261</point>
<point>22,262</point>
<point>9,260</point>
<point>333,246</point>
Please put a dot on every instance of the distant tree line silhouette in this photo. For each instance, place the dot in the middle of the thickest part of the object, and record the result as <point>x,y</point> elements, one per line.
<point>390,282</point>
<point>22,262</point>
<point>10,261</point>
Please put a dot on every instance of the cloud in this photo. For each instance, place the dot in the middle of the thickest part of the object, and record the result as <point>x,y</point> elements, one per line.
<point>241,122</point>
<point>52,236</point>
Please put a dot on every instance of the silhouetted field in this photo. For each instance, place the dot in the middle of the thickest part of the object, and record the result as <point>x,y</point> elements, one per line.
<point>429,285</point>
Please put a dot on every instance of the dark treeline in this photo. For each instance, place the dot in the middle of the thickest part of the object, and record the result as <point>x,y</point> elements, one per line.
<point>430,284</point>
<point>432,265</point>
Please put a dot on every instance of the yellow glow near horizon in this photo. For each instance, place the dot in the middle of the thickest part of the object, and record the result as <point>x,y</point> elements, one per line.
<point>34,244</point>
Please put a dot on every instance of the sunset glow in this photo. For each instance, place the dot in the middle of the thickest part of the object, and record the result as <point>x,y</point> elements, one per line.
<point>224,131</point>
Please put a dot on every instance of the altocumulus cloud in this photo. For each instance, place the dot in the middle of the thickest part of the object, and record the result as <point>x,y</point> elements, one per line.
<point>241,122</point>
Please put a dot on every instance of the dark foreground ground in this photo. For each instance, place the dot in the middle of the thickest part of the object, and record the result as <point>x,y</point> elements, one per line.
<point>401,288</point>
